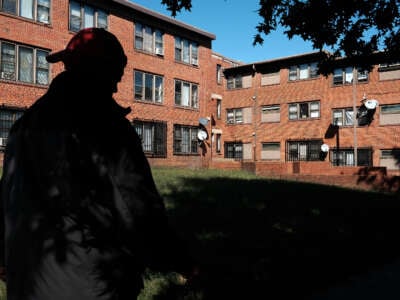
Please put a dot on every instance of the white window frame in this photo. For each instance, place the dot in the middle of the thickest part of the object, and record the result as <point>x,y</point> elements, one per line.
<point>186,94</point>
<point>234,115</point>
<point>149,39</point>
<point>186,51</point>
<point>303,71</point>
<point>36,10</point>
<point>304,110</point>
<point>24,64</point>
<point>79,12</point>
<point>343,76</point>
<point>234,82</point>
<point>343,116</point>
<point>185,140</point>
<point>148,87</point>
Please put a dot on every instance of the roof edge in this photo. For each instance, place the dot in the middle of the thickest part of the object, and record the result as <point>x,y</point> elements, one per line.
<point>165,18</point>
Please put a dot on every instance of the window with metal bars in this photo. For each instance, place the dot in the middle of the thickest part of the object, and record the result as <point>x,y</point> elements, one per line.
<point>233,150</point>
<point>304,150</point>
<point>185,139</point>
<point>153,136</point>
<point>345,157</point>
<point>8,116</point>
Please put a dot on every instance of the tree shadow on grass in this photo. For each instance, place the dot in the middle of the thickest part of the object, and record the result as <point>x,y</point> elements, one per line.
<point>273,239</point>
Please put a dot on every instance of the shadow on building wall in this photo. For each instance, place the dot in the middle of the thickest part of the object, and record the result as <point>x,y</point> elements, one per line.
<point>378,179</point>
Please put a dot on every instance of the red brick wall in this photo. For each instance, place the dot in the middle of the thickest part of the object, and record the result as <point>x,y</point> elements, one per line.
<point>55,37</point>
<point>121,22</point>
<point>330,97</point>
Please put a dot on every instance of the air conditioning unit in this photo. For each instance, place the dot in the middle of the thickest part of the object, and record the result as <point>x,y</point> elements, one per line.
<point>3,142</point>
<point>159,51</point>
<point>7,76</point>
<point>195,61</point>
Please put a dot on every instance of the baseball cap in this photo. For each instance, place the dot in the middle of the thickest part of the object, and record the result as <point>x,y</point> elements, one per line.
<point>90,43</point>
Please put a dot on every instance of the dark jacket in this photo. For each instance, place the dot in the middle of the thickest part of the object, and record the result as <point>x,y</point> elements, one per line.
<point>82,214</point>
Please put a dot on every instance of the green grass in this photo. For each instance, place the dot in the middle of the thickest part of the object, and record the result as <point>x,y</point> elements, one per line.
<point>255,237</point>
<point>260,238</point>
<point>171,181</point>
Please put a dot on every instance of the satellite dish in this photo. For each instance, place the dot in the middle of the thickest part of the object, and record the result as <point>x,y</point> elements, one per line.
<point>371,104</point>
<point>202,135</point>
<point>324,148</point>
<point>203,121</point>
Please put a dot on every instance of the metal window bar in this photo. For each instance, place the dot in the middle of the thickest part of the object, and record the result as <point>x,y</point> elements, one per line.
<point>345,157</point>
<point>303,150</point>
<point>154,145</point>
<point>160,140</point>
<point>234,150</point>
<point>7,119</point>
<point>185,140</point>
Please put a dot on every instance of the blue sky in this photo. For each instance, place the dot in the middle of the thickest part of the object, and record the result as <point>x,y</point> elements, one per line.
<point>234,22</point>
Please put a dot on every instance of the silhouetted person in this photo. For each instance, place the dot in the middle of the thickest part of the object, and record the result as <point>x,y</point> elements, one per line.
<point>82,215</point>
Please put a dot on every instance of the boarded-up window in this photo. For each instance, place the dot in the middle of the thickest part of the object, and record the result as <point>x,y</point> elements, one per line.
<point>270,78</point>
<point>388,71</point>
<point>389,114</point>
<point>271,113</point>
<point>271,151</point>
<point>247,115</point>
<point>390,158</point>
<point>247,151</point>
<point>246,83</point>
<point>388,75</point>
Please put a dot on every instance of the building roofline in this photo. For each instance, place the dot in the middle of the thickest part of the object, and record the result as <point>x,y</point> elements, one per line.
<point>231,60</point>
<point>293,57</point>
<point>165,18</point>
<point>276,62</point>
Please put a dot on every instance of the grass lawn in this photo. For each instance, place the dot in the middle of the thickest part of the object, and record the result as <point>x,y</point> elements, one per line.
<point>256,238</point>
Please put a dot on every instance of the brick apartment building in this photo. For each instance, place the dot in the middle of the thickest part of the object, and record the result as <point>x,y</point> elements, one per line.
<point>274,117</point>
<point>282,117</point>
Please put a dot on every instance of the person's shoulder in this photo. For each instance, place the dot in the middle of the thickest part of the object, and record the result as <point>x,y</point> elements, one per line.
<point>32,115</point>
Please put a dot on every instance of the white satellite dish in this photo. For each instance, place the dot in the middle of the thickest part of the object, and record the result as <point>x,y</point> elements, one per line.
<point>371,103</point>
<point>202,135</point>
<point>324,148</point>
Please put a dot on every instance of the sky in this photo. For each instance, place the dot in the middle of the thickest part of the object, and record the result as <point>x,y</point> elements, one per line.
<point>234,22</point>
